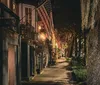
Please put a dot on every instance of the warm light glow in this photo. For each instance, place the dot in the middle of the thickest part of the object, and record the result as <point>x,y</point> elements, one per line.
<point>56,45</point>
<point>49,37</point>
<point>39,27</point>
<point>42,37</point>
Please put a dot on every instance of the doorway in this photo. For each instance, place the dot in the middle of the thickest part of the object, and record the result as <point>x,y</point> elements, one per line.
<point>11,65</point>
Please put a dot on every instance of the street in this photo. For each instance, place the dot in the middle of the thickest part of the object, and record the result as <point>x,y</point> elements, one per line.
<point>54,75</point>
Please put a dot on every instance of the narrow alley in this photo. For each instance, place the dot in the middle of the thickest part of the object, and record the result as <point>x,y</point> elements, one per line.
<point>58,74</point>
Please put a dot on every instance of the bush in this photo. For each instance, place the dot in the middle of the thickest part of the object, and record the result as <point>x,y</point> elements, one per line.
<point>81,74</point>
<point>79,70</point>
<point>68,59</point>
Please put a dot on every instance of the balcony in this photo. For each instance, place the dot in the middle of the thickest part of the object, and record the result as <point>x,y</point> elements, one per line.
<point>9,23</point>
<point>27,31</point>
<point>8,19</point>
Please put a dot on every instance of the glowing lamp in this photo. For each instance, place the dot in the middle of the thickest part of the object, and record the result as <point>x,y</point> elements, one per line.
<point>39,27</point>
<point>42,37</point>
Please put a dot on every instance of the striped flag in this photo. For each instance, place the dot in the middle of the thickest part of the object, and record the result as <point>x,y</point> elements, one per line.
<point>44,12</point>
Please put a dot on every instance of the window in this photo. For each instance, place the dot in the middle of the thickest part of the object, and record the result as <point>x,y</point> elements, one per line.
<point>28,14</point>
<point>12,5</point>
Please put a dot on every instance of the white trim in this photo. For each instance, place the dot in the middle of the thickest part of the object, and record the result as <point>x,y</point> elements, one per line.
<point>22,12</point>
<point>28,6</point>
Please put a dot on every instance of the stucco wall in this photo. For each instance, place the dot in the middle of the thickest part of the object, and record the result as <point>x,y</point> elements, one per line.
<point>8,39</point>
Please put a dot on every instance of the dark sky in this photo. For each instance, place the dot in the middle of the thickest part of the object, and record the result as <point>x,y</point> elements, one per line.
<point>66,12</point>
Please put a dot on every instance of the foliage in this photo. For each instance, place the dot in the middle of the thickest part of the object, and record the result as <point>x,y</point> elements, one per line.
<point>68,59</point>
<point>79,70</point>
<point>80,73</point>
<point>77,61</point>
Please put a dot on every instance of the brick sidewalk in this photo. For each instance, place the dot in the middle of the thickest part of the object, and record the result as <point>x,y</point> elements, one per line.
<point>62,59</point>
<point>54,75</point>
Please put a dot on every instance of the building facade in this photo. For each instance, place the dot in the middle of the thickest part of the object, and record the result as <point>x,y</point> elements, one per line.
<point>10,44</point>
<point>25,51</point>
<point>27,29</point>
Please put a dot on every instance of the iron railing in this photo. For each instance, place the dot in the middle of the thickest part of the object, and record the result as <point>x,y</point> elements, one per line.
<point>27,31</point>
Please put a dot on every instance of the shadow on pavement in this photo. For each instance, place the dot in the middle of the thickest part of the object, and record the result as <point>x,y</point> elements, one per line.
<point>69,80</point>
<point>43,83</point>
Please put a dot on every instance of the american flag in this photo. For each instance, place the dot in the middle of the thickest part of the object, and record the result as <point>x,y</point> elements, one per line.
<point>45,13</point>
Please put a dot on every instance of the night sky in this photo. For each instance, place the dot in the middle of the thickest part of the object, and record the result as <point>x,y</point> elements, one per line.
<point>66,12</point>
